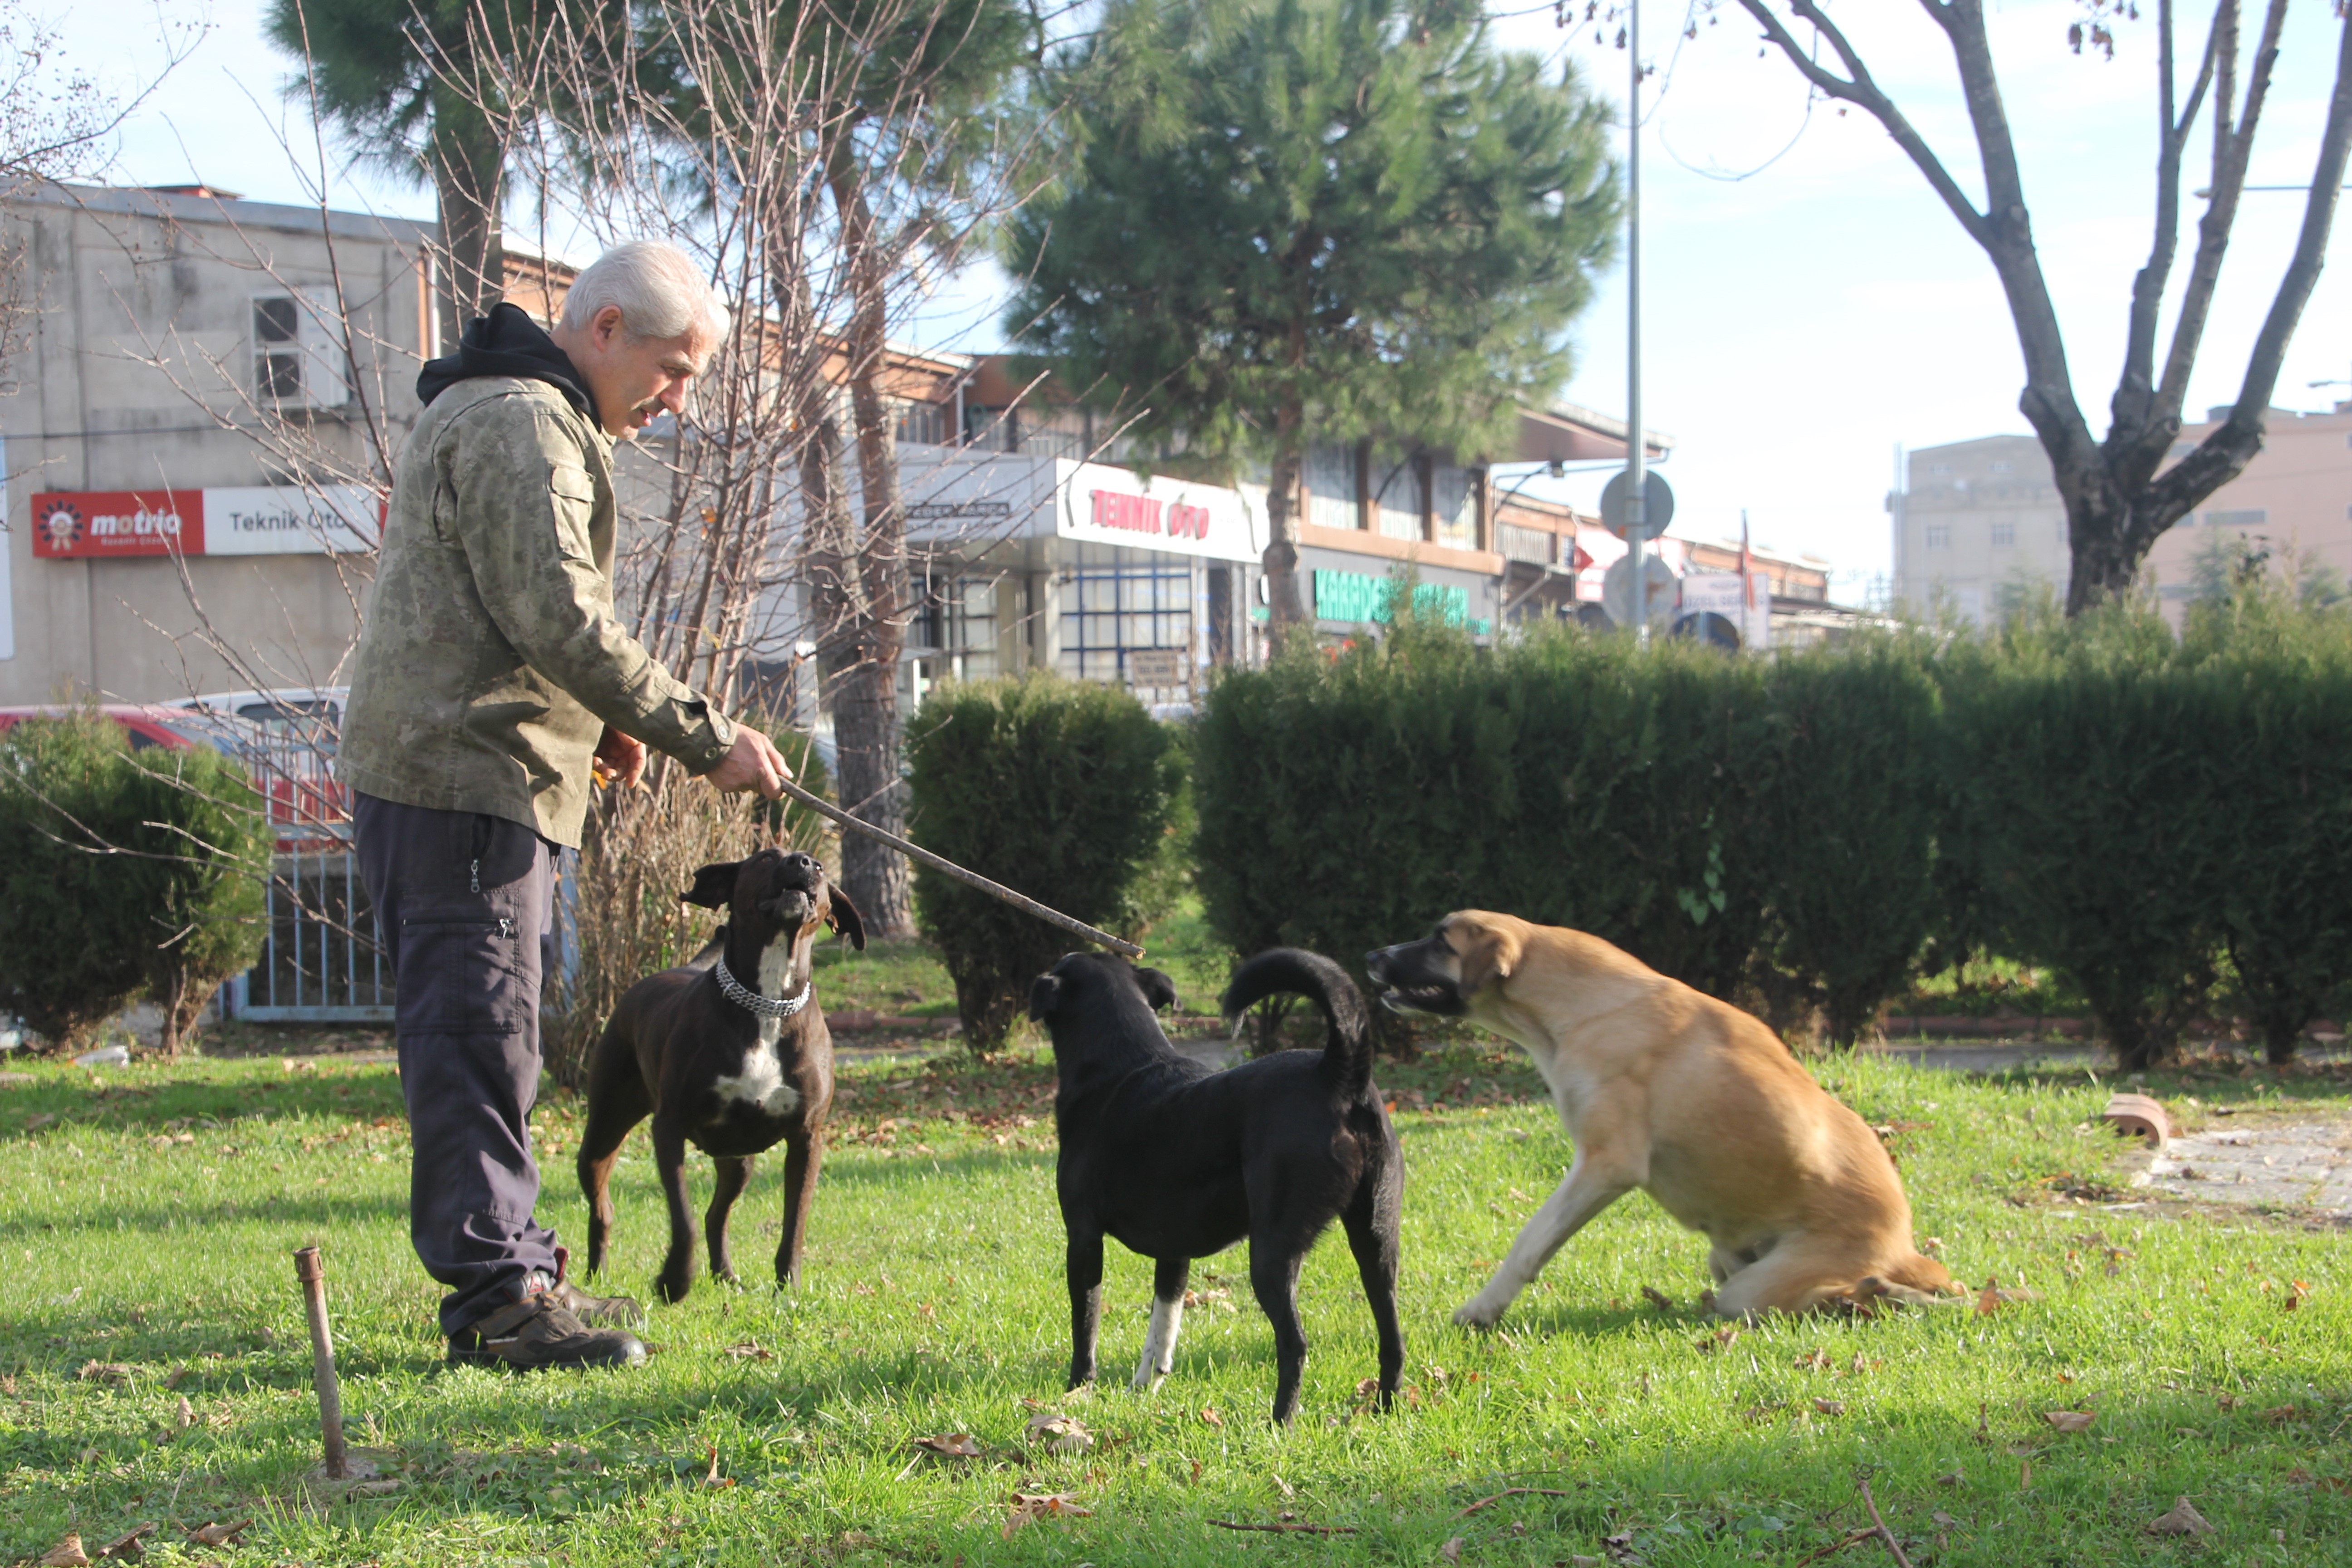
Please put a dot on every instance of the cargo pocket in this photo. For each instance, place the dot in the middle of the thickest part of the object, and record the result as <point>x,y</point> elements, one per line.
<point>572,492</point>
<point>461,972</point>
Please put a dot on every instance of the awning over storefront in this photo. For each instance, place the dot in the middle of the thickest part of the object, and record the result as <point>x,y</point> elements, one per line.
<point>1564,433</point>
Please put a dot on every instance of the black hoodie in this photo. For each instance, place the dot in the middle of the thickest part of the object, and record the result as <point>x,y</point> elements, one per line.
<point>506,342</point>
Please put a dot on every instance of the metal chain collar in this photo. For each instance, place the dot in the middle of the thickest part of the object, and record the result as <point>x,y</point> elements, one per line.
<point>744,997</point>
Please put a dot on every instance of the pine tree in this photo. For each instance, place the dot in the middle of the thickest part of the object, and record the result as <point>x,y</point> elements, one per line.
<point>1348,217</point>
<point>404,81</point>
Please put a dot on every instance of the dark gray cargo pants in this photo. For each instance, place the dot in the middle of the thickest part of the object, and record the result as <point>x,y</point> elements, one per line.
<point>465,903</point>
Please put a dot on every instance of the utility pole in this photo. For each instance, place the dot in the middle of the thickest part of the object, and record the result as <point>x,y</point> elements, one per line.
<point>1637,501</point>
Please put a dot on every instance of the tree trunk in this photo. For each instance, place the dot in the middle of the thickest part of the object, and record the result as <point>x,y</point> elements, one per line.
<point>866,707</point>
<point>469,161</point>
<point>1286,605</point>
<point>2116,503</point>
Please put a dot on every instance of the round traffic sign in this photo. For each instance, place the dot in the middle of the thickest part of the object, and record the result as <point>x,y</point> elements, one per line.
<point>1617,590</point>
<point>1659,495</point>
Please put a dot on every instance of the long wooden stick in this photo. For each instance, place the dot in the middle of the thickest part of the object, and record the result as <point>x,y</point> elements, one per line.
<point>313,1276</point>
<point>1021,902</point>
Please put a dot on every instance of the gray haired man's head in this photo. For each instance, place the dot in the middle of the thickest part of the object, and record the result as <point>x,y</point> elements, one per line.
<point>639,327</point>
<point>657,289</point>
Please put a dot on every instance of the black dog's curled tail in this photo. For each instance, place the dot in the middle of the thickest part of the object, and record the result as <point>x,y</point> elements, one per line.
<point>1347,1049</point>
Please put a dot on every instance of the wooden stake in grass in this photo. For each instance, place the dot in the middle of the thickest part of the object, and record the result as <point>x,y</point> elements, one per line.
<point>1021,902</point>
<point>313,1276</point>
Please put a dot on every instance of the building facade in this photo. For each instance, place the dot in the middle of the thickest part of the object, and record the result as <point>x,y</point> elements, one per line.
<point>1978,526</point>
<point>203,383</point>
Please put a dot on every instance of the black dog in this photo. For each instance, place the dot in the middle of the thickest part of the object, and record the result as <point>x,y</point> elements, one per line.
<point>730,1053</point>
<point>1178,1162</point>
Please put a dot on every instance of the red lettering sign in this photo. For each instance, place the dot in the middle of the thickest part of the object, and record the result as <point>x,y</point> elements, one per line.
<point>1135,514</point>
<point>82,524</point>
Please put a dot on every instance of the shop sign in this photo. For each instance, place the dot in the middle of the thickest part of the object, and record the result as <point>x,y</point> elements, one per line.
<point>1359,596</point>
<point>1143,514</point>
<point>1159,668</point>
<point>1107,505</point>
<point>1748,606</point>
<point>241,520</point>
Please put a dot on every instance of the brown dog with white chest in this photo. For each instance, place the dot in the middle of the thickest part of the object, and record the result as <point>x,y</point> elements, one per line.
<point>729,1052</point>
<point>1694,1101</point>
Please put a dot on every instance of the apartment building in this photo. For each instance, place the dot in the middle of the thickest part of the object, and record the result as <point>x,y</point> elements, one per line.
<point>1978,524</point>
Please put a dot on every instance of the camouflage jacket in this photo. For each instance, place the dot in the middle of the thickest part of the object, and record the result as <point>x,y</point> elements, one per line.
<point>490,660</point>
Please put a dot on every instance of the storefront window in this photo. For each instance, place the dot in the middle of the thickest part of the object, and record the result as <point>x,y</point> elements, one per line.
<point>1456,506</point>
<point>1330,485</point>
<point>956,631</point>
<point>1116,603</point>
<point>1396,494</point>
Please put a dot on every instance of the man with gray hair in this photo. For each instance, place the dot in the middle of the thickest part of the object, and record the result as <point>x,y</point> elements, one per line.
<point>491,678</point>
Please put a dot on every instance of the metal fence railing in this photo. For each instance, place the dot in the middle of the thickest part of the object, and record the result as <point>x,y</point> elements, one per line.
<point>321,959</point>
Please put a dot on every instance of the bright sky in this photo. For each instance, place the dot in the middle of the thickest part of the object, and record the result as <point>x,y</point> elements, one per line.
<point>1799,324</point>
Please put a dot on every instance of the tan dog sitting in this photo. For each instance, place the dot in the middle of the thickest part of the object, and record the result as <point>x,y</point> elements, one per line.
<point>1665,1088</point>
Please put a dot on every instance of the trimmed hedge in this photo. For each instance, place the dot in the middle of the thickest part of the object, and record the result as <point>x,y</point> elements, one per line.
<point>1667,800</point>
<point>122,873</point>
<point>2143,813</point>
<point>1070,793</point>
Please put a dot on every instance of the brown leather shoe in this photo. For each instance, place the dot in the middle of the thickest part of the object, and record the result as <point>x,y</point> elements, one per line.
<point>539,1331</point>
<point>597,1311</point>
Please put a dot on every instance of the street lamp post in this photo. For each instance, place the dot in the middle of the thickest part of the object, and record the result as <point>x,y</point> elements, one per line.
<point>1637,509</point>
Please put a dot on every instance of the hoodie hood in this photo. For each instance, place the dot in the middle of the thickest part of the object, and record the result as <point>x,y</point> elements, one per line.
<point>506,342</point>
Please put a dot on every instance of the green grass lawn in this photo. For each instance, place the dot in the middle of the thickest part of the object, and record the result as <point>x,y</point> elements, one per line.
<point>147,1214</point>
<point>906,979</point>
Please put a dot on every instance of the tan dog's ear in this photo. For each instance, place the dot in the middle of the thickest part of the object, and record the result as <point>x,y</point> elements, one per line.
<point>1487,956</point>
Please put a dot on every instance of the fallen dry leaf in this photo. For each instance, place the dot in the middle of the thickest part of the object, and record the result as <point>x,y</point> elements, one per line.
<point>126,1548</point>
<point>184,1417</point>
<point>66,1554</point>
<point>2278,1415</point>
<point>1062,1434</point>
<point>1657,1299</point>
<point>1719,1340</point>
<point>1943,1521</point>
<point>1452,1551</point>
<point>1209,1416</point>
<point>1830,1406</point>
<point>751,1350</point>
<point>1988,1299</point>
<point>382,1486</point>
<point>1813,1361</point>
<point>219,1534</point>
<point>1951,1478</point>
<point>2071,1420</point>
<point>711,1477</point>
<point>950,1445</point>
<point>1028,1506</point>
<point>112,1372</point>
<point>2183,1520</point>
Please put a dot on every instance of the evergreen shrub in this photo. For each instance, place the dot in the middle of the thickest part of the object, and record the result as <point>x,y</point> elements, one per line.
<point>2147,814</point>
<point>122,873</point>
<point>2083,764</point>
<point>1843,835</point>
<point>2274,685</point>
<point>1068,791</point>
<point>1669,800</point>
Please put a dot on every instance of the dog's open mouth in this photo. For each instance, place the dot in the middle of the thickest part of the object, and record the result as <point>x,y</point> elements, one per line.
<point>1403,999</point>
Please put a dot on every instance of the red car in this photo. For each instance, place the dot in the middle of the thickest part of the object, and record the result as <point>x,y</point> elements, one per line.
<point>150,724</point>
